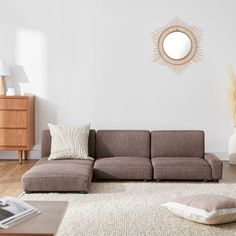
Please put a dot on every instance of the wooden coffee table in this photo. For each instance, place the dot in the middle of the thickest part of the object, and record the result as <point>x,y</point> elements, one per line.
<point>44,224</point>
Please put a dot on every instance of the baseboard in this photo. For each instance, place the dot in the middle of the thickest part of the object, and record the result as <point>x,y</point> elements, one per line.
<point>222,155</point>
<point>35,154</point>
<point>13,155</point>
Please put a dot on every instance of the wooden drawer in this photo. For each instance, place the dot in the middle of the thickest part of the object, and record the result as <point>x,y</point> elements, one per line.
<point>13,137</point>
<point>13,119</point>
<point>13,103</point>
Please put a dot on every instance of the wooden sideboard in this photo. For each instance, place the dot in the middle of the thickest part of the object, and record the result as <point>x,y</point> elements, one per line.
<point>17,124</point>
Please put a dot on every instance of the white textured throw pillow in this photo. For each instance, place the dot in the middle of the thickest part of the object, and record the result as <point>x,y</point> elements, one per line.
<point>205,208</point>
<point>69,142</point>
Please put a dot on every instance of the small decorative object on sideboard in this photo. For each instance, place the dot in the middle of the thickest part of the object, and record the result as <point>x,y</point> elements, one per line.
<point>4,71</point>
<point>232,111</point>
<point>11,92</point>
<point>17,124</point>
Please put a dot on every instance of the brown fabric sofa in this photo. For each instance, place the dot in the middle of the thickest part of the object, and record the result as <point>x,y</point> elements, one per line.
<point>126,155</point>
<point>180,155</point>
<point>123,154</point>
<point>59,175</point>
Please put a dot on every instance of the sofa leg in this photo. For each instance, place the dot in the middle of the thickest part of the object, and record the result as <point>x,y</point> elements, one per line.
<point>83,192</point>
<point>158,180</point>
<point>215,180</point>
<point>205,180</point>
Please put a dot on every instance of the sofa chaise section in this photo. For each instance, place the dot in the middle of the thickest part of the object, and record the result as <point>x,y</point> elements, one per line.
<point>59,175</point>
<point>122,155</point>
<point>180,155</point>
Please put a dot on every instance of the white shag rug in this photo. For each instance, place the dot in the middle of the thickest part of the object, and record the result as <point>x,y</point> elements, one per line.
<point>133,209</point>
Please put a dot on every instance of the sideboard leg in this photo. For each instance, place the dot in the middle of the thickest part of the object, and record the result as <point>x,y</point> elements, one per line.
<point>20,154</point>
<point>25,154</point>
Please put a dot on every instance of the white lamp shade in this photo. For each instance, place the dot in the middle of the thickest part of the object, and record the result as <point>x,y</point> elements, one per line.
<point>4,69</point>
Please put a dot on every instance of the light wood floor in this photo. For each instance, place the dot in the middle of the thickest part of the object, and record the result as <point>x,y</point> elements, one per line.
<point>10,176</point>
<point>11,172</point>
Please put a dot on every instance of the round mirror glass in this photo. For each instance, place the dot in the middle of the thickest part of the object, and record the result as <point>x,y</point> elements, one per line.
<point>177,45</point>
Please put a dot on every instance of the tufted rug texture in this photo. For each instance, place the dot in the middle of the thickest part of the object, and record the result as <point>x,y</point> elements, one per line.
<point>133,209</point>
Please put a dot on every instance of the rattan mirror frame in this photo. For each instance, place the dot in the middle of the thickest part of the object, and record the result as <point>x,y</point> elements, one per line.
<point>176,25</point>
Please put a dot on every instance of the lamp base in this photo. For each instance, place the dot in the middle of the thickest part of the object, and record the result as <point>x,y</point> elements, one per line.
<point>2,86</point>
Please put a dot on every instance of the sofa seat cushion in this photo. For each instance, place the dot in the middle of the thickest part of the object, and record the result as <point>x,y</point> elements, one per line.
<point>185,168</point>
<point>58,176</point>
<point>127,168</point>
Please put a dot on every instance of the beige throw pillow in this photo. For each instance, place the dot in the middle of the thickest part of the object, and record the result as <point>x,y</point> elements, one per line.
<point>69,142</point>
<point>205,208</point>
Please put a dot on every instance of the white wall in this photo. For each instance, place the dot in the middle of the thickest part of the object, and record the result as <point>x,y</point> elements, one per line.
<point>91,61</point>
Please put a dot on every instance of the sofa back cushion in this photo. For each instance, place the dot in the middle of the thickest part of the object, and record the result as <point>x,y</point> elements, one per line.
<point>177,143</point>
<point>46,143</point>
<point>122,143</point>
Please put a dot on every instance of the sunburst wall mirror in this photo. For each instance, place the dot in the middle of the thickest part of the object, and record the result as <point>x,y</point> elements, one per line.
<point>177,44</point>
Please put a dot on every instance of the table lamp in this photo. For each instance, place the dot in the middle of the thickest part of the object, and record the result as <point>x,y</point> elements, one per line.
<point>4,71</point>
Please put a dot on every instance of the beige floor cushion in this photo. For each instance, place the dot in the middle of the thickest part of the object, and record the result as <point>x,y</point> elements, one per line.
<point>204,208</point>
